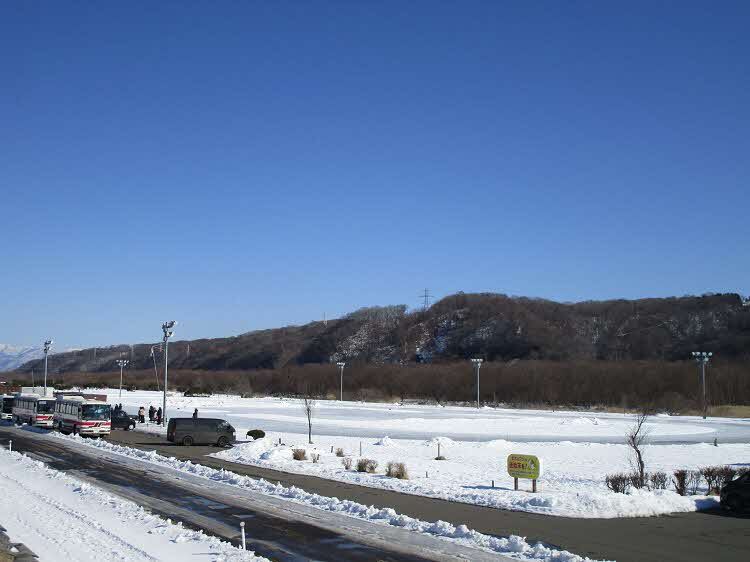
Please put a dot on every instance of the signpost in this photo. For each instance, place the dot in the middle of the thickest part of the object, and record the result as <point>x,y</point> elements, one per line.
<point>524,466</point>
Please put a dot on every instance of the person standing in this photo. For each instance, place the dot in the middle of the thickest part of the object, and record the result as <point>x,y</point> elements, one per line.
<point>151,412</point>
<point>142,415</point>
<point>158,416</point>
<point>195,414</point>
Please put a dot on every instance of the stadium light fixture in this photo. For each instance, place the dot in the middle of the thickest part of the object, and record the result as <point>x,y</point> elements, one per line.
<point>47,346</point>
<point>121,363</point>
<point>341,365</point>
<point>478,365</point>
<point>166,327</point>
<point>702,358</point>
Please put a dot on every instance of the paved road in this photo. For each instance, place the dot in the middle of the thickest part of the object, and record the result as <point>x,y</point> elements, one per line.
<point>680,538</point>
<point>278,529</point>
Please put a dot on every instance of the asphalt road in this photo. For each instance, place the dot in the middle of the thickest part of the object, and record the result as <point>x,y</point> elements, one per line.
<point>685,537</point>
<point>282,534</point>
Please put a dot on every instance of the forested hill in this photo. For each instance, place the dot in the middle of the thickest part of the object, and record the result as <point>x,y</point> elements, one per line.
<point>492,326</point>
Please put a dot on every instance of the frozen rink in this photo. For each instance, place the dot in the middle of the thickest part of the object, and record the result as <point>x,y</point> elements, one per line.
<point>369,419</point>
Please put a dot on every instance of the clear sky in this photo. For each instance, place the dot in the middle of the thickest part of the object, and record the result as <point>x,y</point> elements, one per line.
<point>240,165</point>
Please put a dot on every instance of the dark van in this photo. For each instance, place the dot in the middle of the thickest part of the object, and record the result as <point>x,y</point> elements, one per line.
<point>200,431</point>
<point>735,495</point>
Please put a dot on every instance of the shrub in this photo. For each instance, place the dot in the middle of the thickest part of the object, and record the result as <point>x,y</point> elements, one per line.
<point>397,470</point>
<point>347,462</point>
<point>367,465</point>
<point>637,480</point>
<point>315,457</point>
<point>618,483</point>
<point>726,475</point>
<point>680,481</point>
<point>339,452</point>
<point>658,480</point>
<point>693,482</point>
<point>741,471</point>
<point>299,454</point>
<point>256,434</point>
<point>712,476</point>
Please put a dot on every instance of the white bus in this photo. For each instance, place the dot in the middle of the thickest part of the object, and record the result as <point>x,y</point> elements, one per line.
<point>33,410</point>
<point>6,408</point>
<point>75,414</point>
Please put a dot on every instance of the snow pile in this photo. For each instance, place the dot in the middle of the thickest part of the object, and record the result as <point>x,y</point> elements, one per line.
<point>442,441</point>
<point>385,442</point>
<point>61,518</point>
<point>513,545</point>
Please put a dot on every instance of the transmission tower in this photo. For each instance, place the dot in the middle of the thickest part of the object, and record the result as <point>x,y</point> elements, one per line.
<point>426,296</point>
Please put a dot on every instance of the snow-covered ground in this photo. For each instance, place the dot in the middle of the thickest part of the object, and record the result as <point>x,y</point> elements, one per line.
<point>410,421</point>
<point>61,518</point>
<point>572,484</point>
<point>577,450</point>
<point>513,546</point>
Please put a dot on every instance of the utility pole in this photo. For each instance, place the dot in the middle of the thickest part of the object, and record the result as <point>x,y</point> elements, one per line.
<point>702,358</point>
<point>156,373</point>
<point>168,333</point>
<point>47,346</point>
<point>341,365</point>
<point>121,363</point>
<point>477,365</point>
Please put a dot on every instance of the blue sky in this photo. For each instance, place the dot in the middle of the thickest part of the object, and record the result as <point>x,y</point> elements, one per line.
<point>240,165</point>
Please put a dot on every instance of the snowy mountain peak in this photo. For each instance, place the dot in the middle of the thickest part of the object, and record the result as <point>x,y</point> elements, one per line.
<point>12,356</point>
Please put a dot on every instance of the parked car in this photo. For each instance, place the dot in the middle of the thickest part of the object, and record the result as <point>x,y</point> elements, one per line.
<point>200,431</point>
<point>123,420</point>
<point>735,495</point>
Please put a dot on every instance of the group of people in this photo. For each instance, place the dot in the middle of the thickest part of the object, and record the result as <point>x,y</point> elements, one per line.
<point>154,415</point>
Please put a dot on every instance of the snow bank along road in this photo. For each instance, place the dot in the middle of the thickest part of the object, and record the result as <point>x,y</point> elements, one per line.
<point>67,519</point>
<point>681,537</point>
<point>277,529</point>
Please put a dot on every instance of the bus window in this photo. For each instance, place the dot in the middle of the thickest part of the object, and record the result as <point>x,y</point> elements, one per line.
<point>45,406</point>
<point>96,412</point>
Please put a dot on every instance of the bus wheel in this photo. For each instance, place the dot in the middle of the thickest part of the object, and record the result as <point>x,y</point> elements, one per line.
<point>75,430</point>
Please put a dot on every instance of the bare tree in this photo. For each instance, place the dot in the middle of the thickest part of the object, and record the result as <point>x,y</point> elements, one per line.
<point>308,406</point>
<point>636,439</point>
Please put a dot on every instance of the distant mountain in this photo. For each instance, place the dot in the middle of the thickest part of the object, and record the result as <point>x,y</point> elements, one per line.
<point>12,357</point>
<point>493,326</point>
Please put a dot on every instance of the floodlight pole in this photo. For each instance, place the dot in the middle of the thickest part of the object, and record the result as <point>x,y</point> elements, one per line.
<point>121,363</point>
<point>47,346</point>
<point>168,333</point>
<point>702,358</point>
<point>341,372</point>
<point>478,364</point>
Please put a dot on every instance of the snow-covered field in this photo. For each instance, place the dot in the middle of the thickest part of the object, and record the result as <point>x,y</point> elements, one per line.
<point>570,445</point>
<point>61,518</point>
<point>420,422</point>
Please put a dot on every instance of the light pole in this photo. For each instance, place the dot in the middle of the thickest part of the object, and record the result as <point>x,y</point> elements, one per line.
<point>341,372</point>
<point>121,363</point>
<point>478,365</point>
<point>702,358</point>
<point>156,373</point>
<point>168,333</point>
<point>47,346</point>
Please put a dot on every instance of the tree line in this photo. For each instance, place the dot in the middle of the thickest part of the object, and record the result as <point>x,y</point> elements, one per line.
<point>665,385</point>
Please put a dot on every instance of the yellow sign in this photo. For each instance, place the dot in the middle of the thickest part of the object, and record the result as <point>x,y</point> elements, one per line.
<point>524,466</point>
